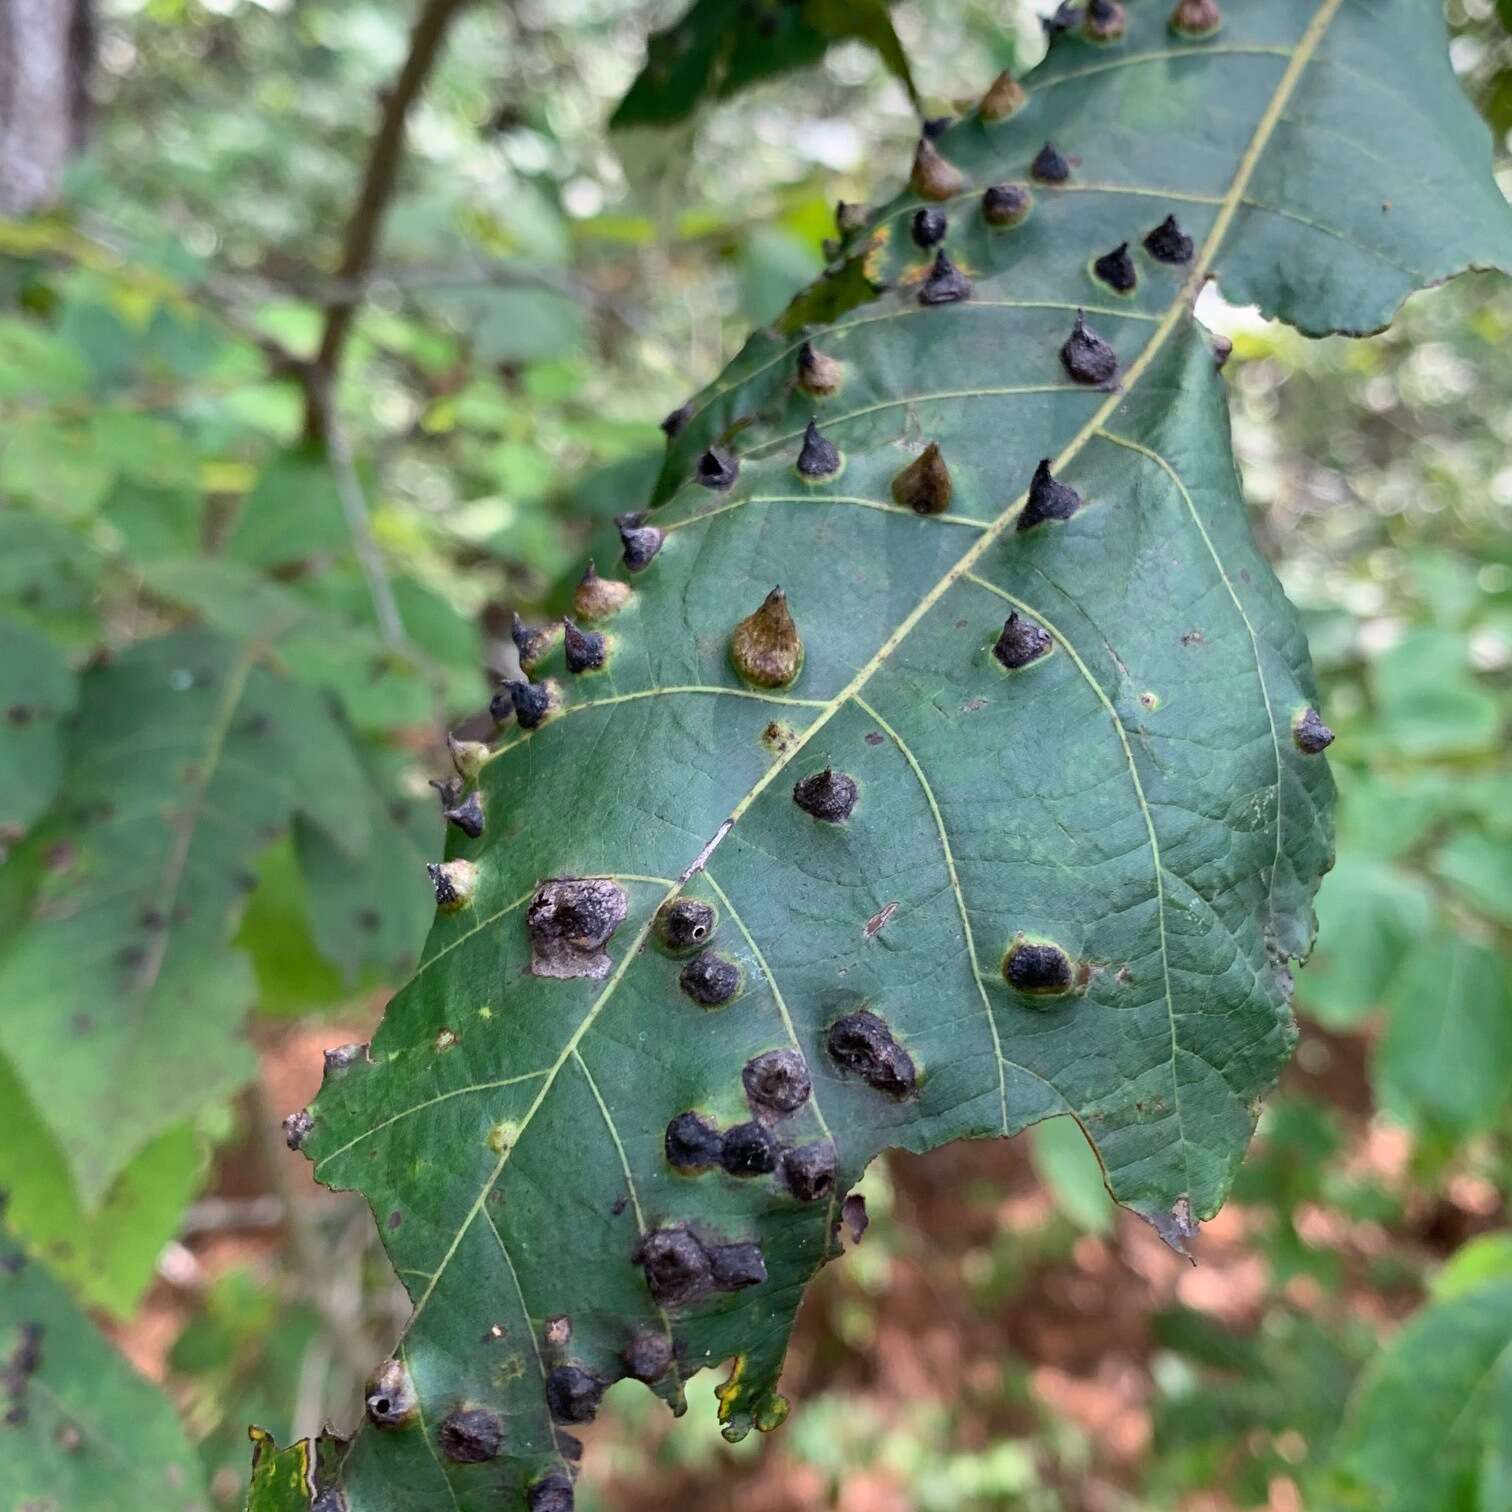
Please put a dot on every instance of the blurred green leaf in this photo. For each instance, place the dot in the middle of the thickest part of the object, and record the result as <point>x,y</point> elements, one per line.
<point>37,693</point>
<point>123,997</point>
<point>1069,1167</point>
<point>106,1257</point>
<point>1429,703</point>
<point>82,1430</point>
<point>1430,1424</point>
<point>1369,916</point>
<point>1478,866</point>
<point>1446,1057</point>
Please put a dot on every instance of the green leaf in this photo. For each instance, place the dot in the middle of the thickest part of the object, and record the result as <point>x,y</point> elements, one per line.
<point>1069,1169</point>
<point>122,995</point>
<point>1479,867</point>
<point>37,692</point>
<point>106,1257</point>
<point>1446,1058</point>
<point>82,1428</point>
<point>720,47</point>
<point>1431,1418</point>
<point>1369,916</point>
<point>1135,795</point>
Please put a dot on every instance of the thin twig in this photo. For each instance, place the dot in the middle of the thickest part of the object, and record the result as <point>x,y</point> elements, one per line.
<point>378,182</point>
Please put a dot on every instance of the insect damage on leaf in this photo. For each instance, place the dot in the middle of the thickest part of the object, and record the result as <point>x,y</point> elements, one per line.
<point>725,1044</point>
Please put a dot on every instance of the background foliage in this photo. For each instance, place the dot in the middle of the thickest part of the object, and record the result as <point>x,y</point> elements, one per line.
<point>539,302</point>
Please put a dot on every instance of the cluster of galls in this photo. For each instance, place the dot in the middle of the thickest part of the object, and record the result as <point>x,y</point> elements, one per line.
<point>1107,20</point>
<point>474,1435</point>
<point>776,1084</point>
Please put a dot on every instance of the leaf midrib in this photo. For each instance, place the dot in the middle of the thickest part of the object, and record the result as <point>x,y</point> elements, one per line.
<point>1302,55</point>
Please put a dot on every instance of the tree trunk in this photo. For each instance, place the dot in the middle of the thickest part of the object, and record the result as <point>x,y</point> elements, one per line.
<point>44,53</point>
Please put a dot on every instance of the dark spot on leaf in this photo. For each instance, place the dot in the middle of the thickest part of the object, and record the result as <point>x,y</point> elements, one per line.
<point>1116,269</point>
<point>569,921</point>
<point>862,1043</point>
<point>936,126</point>
<point>471,1435</point>
<point>1310,733</point>
<point>776,1082</point>
<point>1168,243</point>
<point>1006,205</point>
<point>750,1149</point>
<point>1197,19</point>
<point>573,1394</point>
<point>946,283</point>
<point>818,457</point>
<point>717,469</point>
<point>1223,349</point>
<point>924,486</point>
<point>467,816</point>
<point>878,920</point>
<point>390,1398</point>
<point>552,1493</point>
<point>530,644</point>
<point>1104,20</point>
<point>1038,968</point>
<point>874,737</point>
<point>454,883</point>
<point>20,715</point>
<point>1048,499</point>
<point>1021,642</point>
<point>1086,357</point>
<point>854,1215</point>
<point>828,795</point>
<point>929,228</point>
<point>1050,165</point>
<point>641,541</point>
<point>343,1058</point>
<point>394,1219</point>
<point>677,1269</point>
<point>297,1128</point>
<point>710,979</point>
<point>585,649</point>
<point>69,1437</point>
<point>732,1267</point>
<point>809,1170</point>
<point>685,924</point>
<point>692,1143</point>
<point>618,1206</point>
<point>818,374</point>
<point>531,701</point>
<point>647,1356</point>
<point>672,424</point>
<point>1176,1227</point>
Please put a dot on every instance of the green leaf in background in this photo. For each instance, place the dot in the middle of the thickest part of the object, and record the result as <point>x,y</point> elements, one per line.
<point>1429,703</point>
<point>1369,916</point>
<point>1478,866</point>
<point>1446,1057</point>
<point>107,1256</point>
<point>1430,1425</point>
<point>82,1429</point>
<point>720,47</point>
<point>121,999</point>
<point>952,873</point>
<point>37,693</point>
<point>1068,1166</point>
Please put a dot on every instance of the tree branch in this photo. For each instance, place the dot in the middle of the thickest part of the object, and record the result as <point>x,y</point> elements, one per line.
<point>363,229</point>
